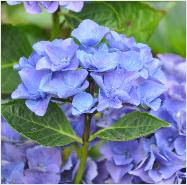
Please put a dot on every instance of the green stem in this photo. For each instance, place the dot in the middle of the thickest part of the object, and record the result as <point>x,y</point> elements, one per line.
<point>56,25</point>
<point>84,149</point>
<point>85,138</point>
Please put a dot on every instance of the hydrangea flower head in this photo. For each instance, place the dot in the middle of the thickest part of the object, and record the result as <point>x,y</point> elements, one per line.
<point>162,156</point>
<point>127,74</point>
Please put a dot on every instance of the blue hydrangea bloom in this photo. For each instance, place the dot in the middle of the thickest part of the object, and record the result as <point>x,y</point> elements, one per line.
<point>174,66</point>
<point>36,100</point>
<point>149,93</point>
<point>127,74</point>
<point>58,55</point>
<point>83,103</point>
<point>163,154</point>
<point>27,163</point>
<point>165,137</point>
<point>98,60</point>
<point>158,165</point>
<point>9,148</point>
<point>121,158</point>
<point>64,85</point>
<point>44,159</point>
<point>34,7</point>
<point>116,87</point>
<point>12,173</point>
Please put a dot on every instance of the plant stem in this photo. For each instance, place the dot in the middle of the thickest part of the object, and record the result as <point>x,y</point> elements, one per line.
<point>56,25</point>
<point>84,149</point>
<point>85,138</point>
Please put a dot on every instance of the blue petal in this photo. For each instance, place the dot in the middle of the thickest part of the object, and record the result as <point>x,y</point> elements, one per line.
<point>65,85</point>
<point>119,41</point>
<point>51,6</point>
<point>43,63</point>
<point>75,6</point>
<point>89,33</point>
<point>150,91</point>
<point>38,106</point>
<point>32,7</point>
<point>37,177</point>
<point>82,102</point>
<point>21,93</point>
<point>131,61</point>
<point>99,61</point>
<point>31,79</point>
<point>44,159</point>
<point>40,46</point>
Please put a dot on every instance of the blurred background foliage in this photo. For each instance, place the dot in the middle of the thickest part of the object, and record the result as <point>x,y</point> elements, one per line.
<point>161,25</point>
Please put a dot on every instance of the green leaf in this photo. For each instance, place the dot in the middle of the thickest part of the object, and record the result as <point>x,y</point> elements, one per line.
<point>34,33</point>
<point>53,129</point>
<point>130,18</point>
<point>131,126</point>
<point>14,44</point>
<point>170,36</point>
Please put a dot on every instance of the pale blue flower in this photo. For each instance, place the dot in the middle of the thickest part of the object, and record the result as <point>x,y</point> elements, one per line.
<point>58,55</point>
<point>83,103</point>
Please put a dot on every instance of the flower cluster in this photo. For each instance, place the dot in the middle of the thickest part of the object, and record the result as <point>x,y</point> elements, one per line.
<point>161,157</point>
<point>35,7</point>
<point>24,162</point>
<point>125,72</point>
